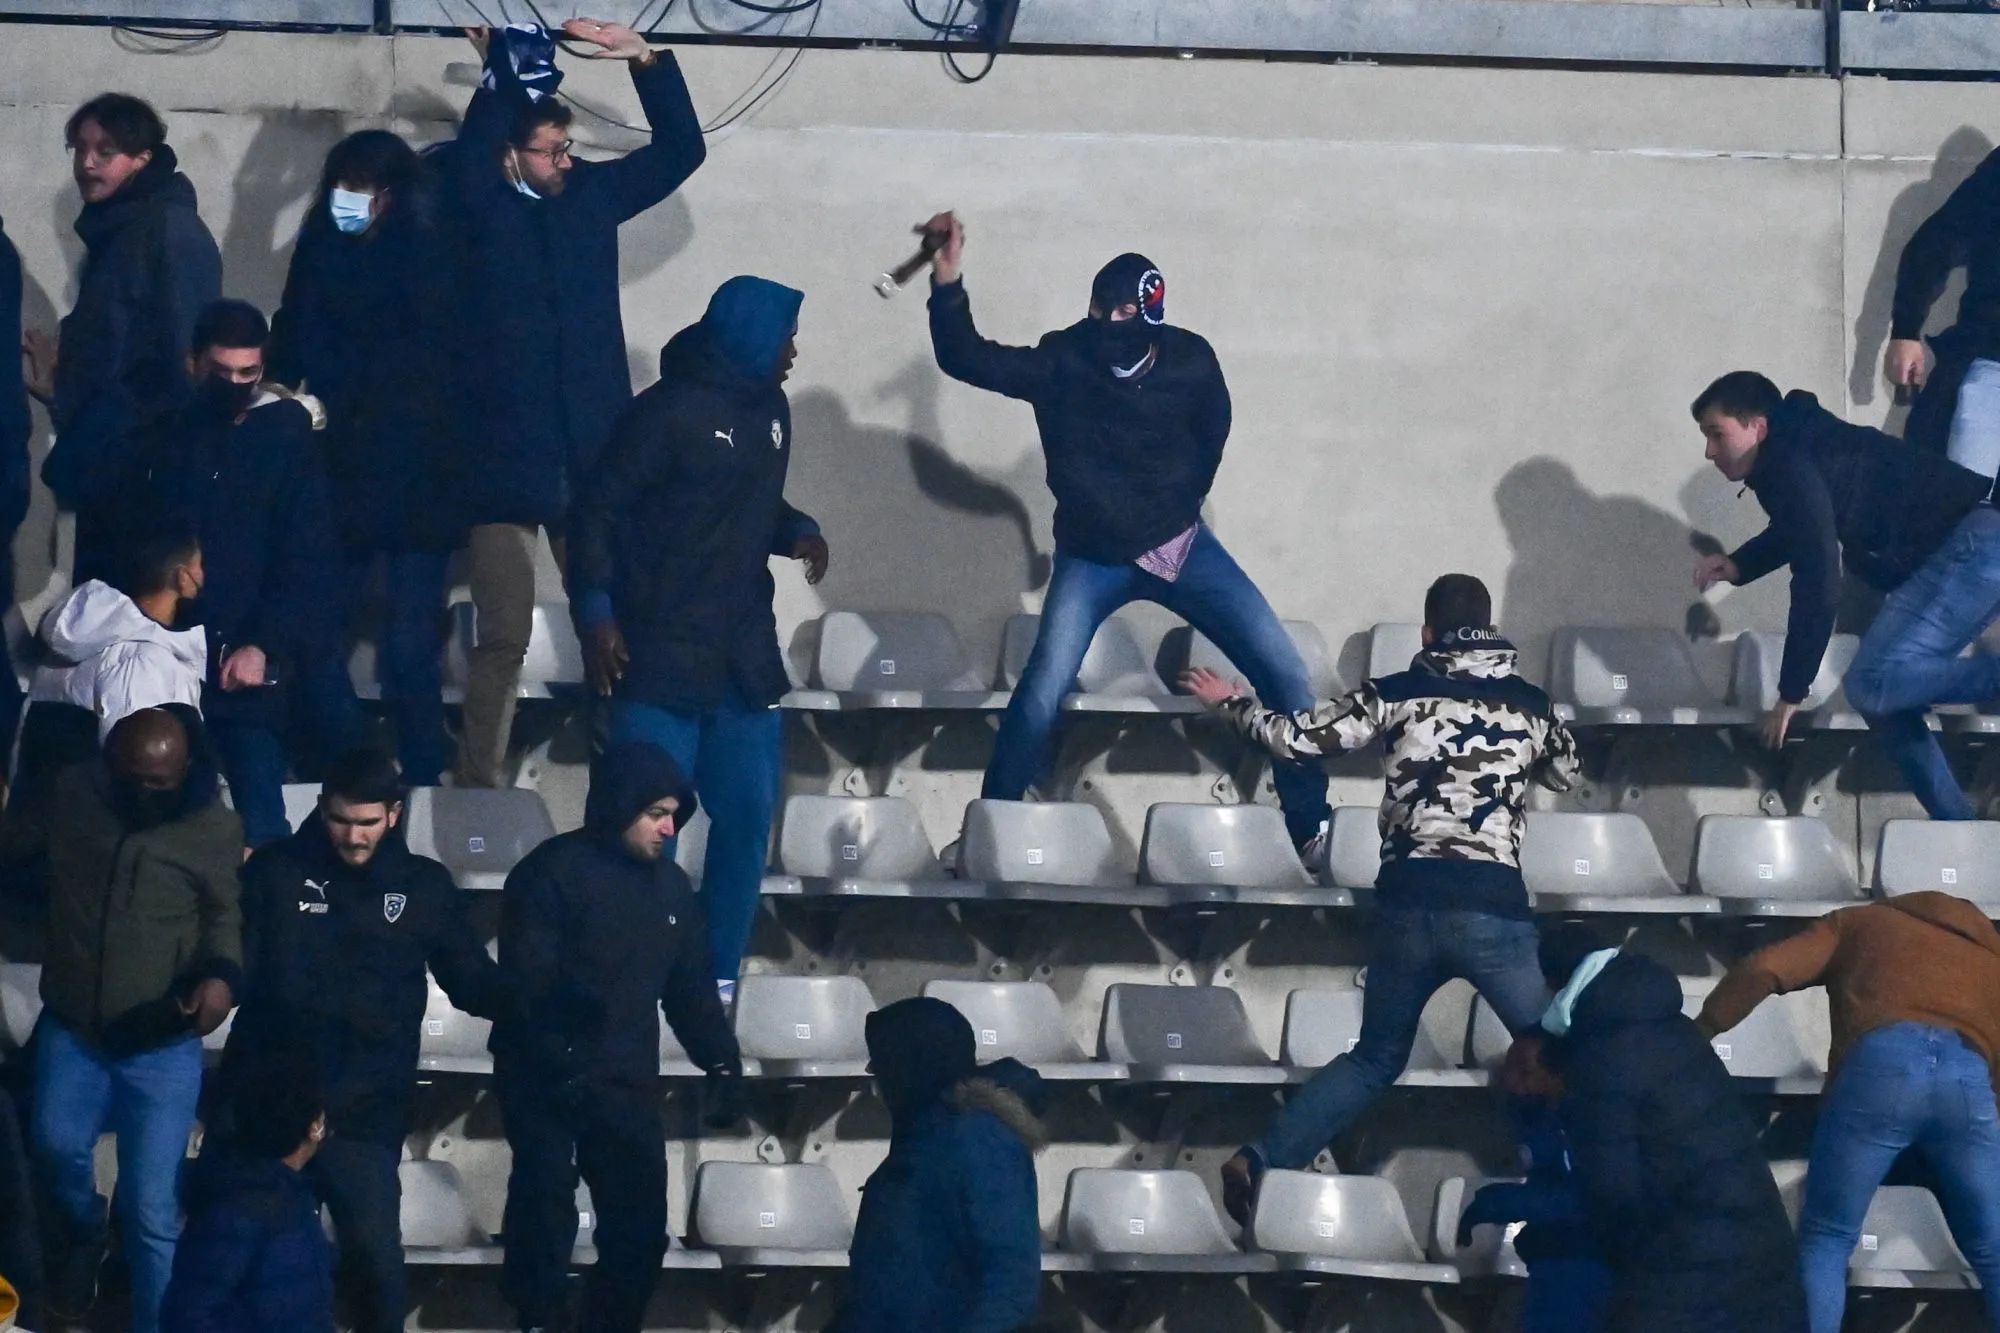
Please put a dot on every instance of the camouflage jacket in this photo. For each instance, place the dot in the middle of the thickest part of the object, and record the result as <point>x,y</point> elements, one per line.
<point>1463,737</point>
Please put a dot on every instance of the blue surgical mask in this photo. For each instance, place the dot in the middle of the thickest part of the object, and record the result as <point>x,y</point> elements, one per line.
<point>352,210</point>
<point>526,188</point>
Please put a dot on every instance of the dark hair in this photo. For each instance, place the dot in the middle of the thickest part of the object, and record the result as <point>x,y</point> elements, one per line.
<point>274,1104</point>
<point>1457,601</point>
<point>156,542</point>
<point>363,776</point>
<point>1566,944</point>
<point>532,116</point>
<point>129,122</point>
<point>1742,394</point>
<point>230,323</point>
<point>374,158</point>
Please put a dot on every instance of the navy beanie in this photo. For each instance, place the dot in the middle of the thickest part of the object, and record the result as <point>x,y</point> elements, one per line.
<point>1131,279</point>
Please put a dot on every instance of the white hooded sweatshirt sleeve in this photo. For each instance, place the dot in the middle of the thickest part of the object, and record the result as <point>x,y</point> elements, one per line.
<point>110,658</point>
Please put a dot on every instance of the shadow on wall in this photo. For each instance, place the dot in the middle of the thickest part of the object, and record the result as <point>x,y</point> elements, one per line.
<point>911,527</point>
<point>1586,559</point>
<point>280,170</point>
<point>1963,150</point>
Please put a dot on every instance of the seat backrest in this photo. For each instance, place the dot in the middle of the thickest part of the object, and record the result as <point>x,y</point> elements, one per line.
<point>856,837</point>
<point>892,650</point>
<point>1905,1230</point>
<point>1038,842</point>
<point>477,830</point>
<point>1492,1247</point>
<point>435,1213</point>
<point>1769,1043</point>
<point>1243,845</point>
<point>301,799</point>
<point>803,1018</point>
<point>1959,857</point>
<point>1115,663</point>
<point>1750,856</point>
<point>785,1206</point>
<point>1754,670</point>
<point>1022,1019</point>
<point>1599,854</point>
<point>1111,1211</point>
<point>449,1030</point>
<point>1635,668</point>
<point>1341,1217</point>
<point>20,1001</point>
<point>1391,645</point>
<point>554,656</point>
<point>1321,673</point>
<point>1354,846</point>
<point>1178,1025</point>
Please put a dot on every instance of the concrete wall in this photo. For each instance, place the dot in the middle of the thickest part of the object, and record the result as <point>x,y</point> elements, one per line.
<point>1462,311</point>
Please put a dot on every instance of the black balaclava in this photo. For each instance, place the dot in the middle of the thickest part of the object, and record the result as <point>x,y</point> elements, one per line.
<point>919,1049</point>
<point>1130,279</point>
<point>223,398</point>
<point>624,780</point>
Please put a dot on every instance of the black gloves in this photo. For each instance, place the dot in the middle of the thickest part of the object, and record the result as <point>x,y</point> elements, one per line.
<point>724,1098</point>
<point>1495,1204</point>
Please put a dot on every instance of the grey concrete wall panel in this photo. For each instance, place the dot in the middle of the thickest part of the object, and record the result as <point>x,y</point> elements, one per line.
<point>1956,42</point>
<point>317,13</point>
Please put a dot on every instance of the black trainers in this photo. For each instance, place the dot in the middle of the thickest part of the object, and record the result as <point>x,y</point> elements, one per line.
<point>74,1278</point>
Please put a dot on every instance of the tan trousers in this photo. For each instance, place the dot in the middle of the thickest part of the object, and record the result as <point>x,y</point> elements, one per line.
<point>502,560</point>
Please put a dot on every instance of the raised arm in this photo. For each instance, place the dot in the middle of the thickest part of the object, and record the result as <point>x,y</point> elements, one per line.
<point>646,175</point>
<point>1334,727</point>
<point>1018,372</point>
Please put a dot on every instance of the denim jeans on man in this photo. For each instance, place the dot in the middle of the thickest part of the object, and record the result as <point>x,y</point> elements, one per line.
<point>1909,658</point>
<point>1975,420</point>
<point>1411,954</point>
<point>148,1102</point>
<point>1212,594</point>
<point>410,660</point>
<point>358,1184</point>
<point>734,755</point>
<point>1903,1086</point>
<point>252,758</point>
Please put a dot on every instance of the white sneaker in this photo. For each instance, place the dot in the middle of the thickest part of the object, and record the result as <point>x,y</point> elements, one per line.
<point>1315,853</point>
<point>726,990</point>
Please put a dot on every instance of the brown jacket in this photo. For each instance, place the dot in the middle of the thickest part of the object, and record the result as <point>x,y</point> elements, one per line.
<point>1919,958</point>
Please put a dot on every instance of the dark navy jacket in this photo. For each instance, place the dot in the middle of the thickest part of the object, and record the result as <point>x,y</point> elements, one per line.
<point>253,1256</point>
<point>675,531</point>
<point>1129,461</point>
<point>15,421</point>
<point>333,962</point>
<point>371,325</point>
<point>1666,1155</point>
<point>546,340</point>
<point>595,945</point>
<point>1839,494</point>
<point>1966,230</point>
<point>150,266</point>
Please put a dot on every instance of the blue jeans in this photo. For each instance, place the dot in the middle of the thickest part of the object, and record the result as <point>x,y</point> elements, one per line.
<point>1410,955</point>
<point>252,757</point>
<point>1907,1085</point>
<point>1975,422</point>
<point>148,1101</point>
<point>411,658</point>
<point>1909,658</point>
<point>1214,595</point>
<point>733,756</point>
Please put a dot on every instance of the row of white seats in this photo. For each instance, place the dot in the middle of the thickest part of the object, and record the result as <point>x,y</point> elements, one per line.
<point>753,1215</point>
<point>792,1027</point>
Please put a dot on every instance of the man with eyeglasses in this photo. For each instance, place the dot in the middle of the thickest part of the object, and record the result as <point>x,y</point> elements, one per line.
<point>548,343</point>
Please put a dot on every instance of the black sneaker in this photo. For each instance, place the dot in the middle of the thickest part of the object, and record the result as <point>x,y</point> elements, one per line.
<point>74,1279</point>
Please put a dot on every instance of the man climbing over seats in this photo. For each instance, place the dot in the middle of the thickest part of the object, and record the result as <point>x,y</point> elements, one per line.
<point>1133,414</point>
<point>1913,986</point>
<point>1464,737</point>
<point>1906,521</point>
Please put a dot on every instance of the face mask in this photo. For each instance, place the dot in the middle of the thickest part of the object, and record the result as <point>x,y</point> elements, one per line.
<point>1121,343</point>
<point>520,181</point>
<point>224,398</point>
<point>352,210</point>
<point>140,807</point>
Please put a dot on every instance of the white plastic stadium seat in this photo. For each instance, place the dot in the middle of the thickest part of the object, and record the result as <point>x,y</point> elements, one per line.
<point>437,1221</point>
<point>1149,1221</point>
<point>20,1001</point>
<point>1116,675</point>
<point>1354,847</point>
<point>1600,863</point>
<point>1491,1253</point>
<point>1243,848</point>
<point>1045,849</point>
<point>867,845</point>
<point>1322,1023</point>
<point>1754,679</point>
<point>554,657</point>
<point>804,1027</point>
<point>899,659</point>
<point>1961,858</point>
<point>453,1041</point>
<point>1772,1043</point>
<point>1630,677</point>
<point>1906,1243</point>
<point>1391,646</point>
<point>770,1215</point>
<point>1756,866</point>
<point>1024,1020</point>
<point>1183,1034</point>
<point>301,800</point>
<point>1352,1226</point>
<point>1305,636</point>
<point>480,833</point>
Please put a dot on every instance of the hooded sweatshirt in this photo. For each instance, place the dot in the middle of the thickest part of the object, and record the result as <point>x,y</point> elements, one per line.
<point>948,1236</point>
<point>675,532</point>
<point>111,659</point>
<point>1464,737</point>
<point>595,944</point>
<point>1919,958</point>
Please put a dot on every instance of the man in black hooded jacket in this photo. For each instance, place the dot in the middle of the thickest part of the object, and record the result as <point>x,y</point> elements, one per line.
<point>1133,414</point>
<point>150,266</point>
<point>599,934</point>
<point>1665,1152</point>
<point>340,921</point>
